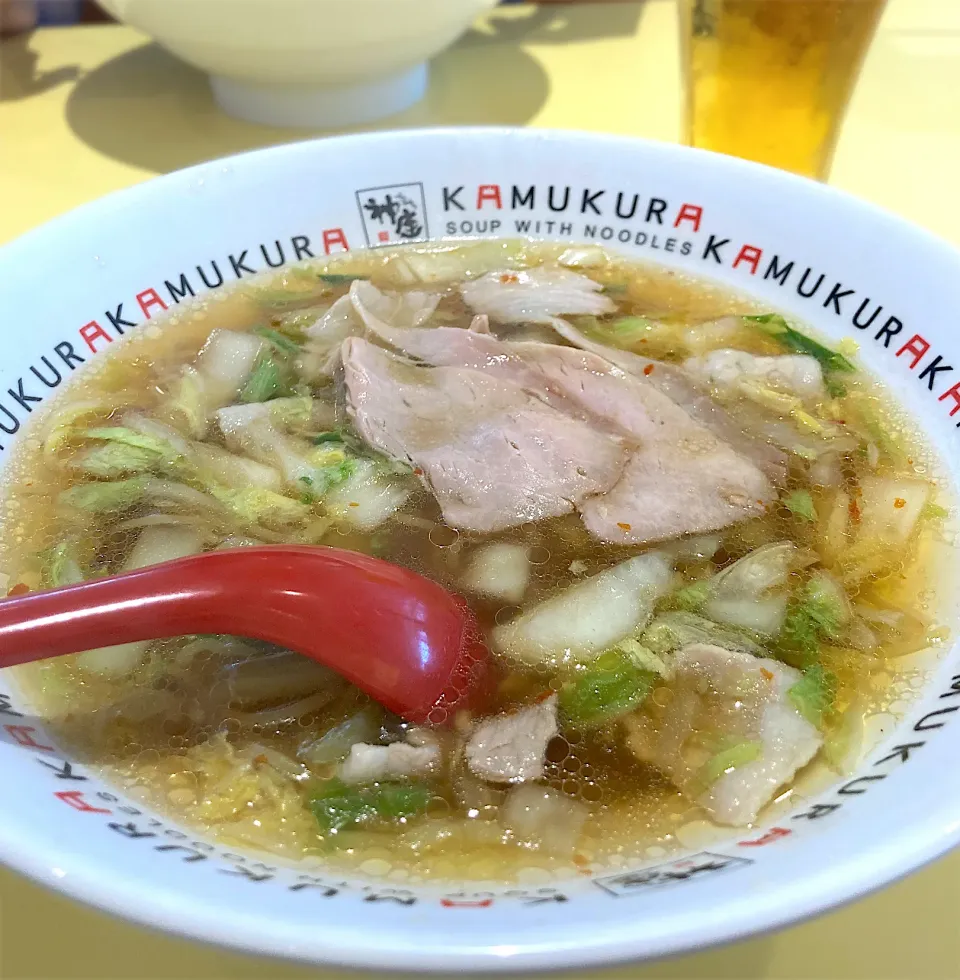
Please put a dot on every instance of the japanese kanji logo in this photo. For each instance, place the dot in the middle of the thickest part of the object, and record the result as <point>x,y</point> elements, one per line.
<point>673,873</point>
<point>393,215</point>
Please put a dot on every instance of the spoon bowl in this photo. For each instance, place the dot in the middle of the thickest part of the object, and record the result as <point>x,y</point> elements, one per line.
<point>401,638</point>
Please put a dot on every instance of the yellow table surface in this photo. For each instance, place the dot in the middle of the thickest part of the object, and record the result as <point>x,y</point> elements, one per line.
<point>86,110</point>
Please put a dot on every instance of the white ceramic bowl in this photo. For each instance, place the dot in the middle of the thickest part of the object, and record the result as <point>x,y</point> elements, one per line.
<point>68,284</point>
<point>316,63</point>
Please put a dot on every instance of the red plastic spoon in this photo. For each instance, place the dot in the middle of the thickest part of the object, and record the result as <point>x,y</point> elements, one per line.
<point>403,639</point>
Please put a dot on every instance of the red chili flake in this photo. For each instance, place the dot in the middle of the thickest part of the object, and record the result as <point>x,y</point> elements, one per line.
<point>841,421</point>
<point>766,674</point>
<point>899,502</point>
<point>543,695</point>
<point>509,277</point>
<point>854,510</point>
<point>622,526</point>
<point>261,760</point>
<point>580,859</point>
<point>417,471</point>
<point>643,340</point>
<point>910,462</point>
<point>353,503</point>
<point>648,369</point>
<point>19,589</point>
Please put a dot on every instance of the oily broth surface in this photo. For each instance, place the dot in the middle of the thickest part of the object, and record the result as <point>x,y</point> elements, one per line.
<point>635,812</point>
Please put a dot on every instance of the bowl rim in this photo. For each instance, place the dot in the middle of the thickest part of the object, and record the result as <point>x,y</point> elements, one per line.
<point>852,876</point>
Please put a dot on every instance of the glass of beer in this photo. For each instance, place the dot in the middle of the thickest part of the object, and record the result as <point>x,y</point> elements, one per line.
<point>769,80</point>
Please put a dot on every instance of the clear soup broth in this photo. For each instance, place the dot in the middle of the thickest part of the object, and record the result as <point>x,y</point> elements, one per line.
<point>710,579</point>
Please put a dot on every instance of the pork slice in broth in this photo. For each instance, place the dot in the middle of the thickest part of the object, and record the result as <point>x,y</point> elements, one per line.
<point>797,374</point>
<point>454,347</point>
<point>492,454</point>
<point>512,748</point>
<point>681,387</point>
<point>535,295</point>
<point>680,478</point>
<point>543,295</point>
<point>730,736</point>
<point>677,486</point>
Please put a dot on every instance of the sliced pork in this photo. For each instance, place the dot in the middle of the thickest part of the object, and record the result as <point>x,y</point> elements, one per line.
<point>669,489</point>
<point>681,387</point>
<point>680,477</point>
<point>535,295</point>
<point>512,748</point>
<point>549,368</point>
<point>493,454</point>
<point>729,736</point>
<point>798,374</point>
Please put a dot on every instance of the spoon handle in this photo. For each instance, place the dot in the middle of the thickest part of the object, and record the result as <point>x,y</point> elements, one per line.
<point>146,604</point>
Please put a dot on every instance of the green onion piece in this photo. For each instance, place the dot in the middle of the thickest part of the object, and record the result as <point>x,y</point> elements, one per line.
<point>775,325</point>
<point>728,759</point>
<point>337,805</point>
<point>933,512</point>
<point>338,278</point>
<point>265,382</point>
<point>814,615</point>
<point>642,657</point>
<point>386,464</point>
<point>350,441</point>
<point>293,324</point>
<point>629,326</point>
<point>610,687</point>
<point>280,343</point>
<point>814,694</point>
<point>322,437</point>
<point>306,495</point>
<point>800,503</point>
<point>835,389</point>
<point>692,597</point>
<point>328,477</point>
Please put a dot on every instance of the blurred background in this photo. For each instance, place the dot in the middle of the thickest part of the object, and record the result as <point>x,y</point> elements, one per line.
<point>17,15</point>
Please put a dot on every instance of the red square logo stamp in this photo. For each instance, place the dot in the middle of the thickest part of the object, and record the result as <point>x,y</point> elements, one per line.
<point>393,215</point>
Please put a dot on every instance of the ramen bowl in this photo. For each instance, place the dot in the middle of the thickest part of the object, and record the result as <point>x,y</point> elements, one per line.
<point>74,287</point>
<point>311,63</point>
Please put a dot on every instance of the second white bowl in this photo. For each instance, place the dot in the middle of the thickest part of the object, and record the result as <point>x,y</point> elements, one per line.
<point>314,63</point>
